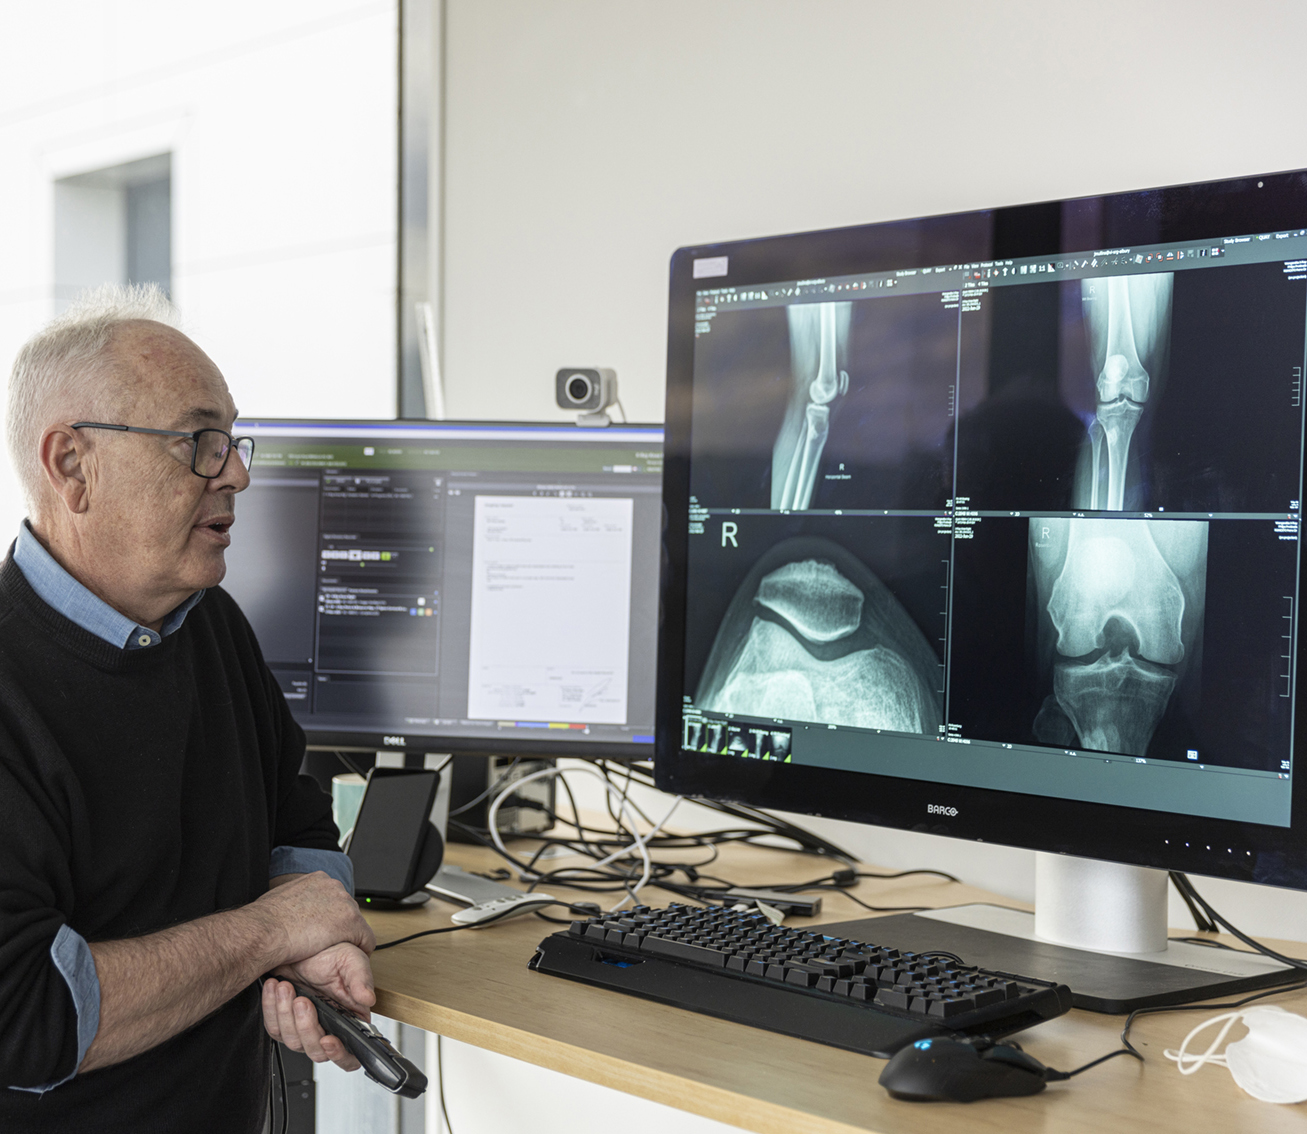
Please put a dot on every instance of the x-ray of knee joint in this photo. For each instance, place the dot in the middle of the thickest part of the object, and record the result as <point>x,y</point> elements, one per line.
<point>813,635</point>
<point>1120,607</point>
<point>1128,323</point>
<point>819,344</point>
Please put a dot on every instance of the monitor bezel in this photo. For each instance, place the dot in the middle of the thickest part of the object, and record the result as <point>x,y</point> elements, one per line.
<point>1220,848</point>
<point>363,740</point>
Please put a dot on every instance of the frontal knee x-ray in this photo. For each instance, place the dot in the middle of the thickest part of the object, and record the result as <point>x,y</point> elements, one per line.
<point>1128,324</point>
<point>813,635</point>
<point>819,345</point>
<point>1120,609</point>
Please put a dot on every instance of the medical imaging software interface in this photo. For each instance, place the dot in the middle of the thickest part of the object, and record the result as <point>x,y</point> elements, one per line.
<point>455,580</point>
<point>1029,525</point>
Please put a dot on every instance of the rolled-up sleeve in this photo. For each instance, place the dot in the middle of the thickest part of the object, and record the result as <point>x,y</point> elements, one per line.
<point>49,993</point>
<point>305,860</point>
<point>71,955</point>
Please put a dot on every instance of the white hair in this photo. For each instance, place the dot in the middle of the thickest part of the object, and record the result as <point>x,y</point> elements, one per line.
<point>65,358</point>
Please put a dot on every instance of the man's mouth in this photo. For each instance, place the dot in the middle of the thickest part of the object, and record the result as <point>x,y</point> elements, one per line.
<point>221,526</point>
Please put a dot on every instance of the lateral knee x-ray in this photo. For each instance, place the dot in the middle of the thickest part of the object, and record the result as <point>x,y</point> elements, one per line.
<point>819,343</point>
<point>1128,321</point>
<point>1120,605</point>
<point>813,635</point>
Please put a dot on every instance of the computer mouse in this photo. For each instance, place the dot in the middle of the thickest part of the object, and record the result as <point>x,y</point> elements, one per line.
<point>962,1070</point>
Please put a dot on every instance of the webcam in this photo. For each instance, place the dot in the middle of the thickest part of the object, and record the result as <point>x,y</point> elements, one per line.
<point>588,390</point>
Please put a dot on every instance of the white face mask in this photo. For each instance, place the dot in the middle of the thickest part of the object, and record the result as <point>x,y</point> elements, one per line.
<point>1270,1062</point>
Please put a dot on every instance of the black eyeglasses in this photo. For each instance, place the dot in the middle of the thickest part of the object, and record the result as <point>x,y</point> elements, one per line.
<point>210,448</point>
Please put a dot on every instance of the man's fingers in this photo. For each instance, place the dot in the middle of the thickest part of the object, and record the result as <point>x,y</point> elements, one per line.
<point>293,1021</point>
<point>285,1011</point>
<point>310,1032</point>
<point>270,1020</point>
<point>339,1054</point>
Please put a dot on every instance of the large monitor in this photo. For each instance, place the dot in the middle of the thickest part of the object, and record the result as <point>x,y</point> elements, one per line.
<point>987,525</point>
<point>455,587</point>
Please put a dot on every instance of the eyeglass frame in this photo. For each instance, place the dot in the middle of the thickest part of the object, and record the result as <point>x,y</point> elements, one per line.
<point>232,447</point>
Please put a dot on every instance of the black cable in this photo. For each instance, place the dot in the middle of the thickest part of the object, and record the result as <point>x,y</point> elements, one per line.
<point>1201,921</point>
<point>478,925</point>
<point>881,909</point>
<point>279,1078</point>
<point>1130,1019</point>
<point>1186,886</point>
<point>810,842</point>
<point>443,929</point>
<point>350,764</point>
<point>943,953</point>
<point>905,873</point>
<point>1059,1076</point>
<point>489,791</point>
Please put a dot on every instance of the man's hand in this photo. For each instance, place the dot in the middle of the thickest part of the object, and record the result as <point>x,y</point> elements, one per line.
<point>155,986</point>
<point>311,914</point>
<point>341,973</point>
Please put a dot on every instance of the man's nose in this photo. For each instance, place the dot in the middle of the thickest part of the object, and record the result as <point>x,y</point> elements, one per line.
<point>234,475</point>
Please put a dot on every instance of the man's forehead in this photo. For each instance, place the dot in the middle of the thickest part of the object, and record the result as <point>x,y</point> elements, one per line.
<point>197,417</point>
<point>164,373</point>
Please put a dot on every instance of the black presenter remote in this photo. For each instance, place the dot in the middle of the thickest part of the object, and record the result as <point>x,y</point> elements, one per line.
<point>381,1062</point>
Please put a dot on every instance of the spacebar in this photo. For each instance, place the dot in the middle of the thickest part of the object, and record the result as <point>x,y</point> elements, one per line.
<point>679,951</point>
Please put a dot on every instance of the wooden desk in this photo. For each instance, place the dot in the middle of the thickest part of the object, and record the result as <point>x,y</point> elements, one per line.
<point>475,987</point>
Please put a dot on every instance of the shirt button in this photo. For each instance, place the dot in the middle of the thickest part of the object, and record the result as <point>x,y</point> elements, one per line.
<point>143,640</point>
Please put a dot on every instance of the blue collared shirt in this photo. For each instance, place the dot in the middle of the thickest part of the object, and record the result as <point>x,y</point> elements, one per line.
<point>60,591</point>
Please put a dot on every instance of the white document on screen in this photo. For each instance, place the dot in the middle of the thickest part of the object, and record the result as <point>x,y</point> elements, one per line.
<point>551,587</point>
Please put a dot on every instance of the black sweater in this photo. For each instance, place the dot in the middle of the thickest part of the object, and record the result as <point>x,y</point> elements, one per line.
<point>138,789</point>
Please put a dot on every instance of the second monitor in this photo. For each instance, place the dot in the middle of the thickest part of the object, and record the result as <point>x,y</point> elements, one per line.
<point>481,587</point>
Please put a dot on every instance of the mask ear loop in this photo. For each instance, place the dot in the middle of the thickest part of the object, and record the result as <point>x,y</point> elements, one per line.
<point>1189,1063</point>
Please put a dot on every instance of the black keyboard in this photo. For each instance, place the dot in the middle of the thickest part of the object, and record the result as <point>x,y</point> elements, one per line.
<point>835,990</point>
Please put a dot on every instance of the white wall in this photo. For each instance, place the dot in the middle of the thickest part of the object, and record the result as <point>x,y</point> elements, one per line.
<point>280,116</point>
<point>586,140</point>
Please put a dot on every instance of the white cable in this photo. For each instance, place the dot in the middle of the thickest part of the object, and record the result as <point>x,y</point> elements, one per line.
<point>1189,1063</point>
<point>639,843</point>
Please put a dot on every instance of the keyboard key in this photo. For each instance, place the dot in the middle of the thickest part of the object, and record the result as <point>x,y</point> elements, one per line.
<point>680,951</point>
<point>946,1009</point>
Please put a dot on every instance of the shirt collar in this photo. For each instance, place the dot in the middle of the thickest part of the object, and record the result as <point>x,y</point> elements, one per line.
<point>60,591</point>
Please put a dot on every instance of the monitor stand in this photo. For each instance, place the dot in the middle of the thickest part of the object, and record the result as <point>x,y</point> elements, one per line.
<point>1098,927</point>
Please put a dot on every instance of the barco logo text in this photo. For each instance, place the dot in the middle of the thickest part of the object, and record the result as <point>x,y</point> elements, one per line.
<point>940,809</point>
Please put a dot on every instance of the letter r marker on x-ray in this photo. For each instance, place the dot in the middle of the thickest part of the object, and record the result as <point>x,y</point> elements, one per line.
<point>729,528</point>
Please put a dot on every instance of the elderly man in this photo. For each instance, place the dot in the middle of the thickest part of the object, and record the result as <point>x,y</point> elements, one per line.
<point>159,851</point>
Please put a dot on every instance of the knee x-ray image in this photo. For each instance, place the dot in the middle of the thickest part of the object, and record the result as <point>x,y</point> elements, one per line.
<point>825,405</point>
<point>813,635</point>
<point>1120,613</point>
<point>1128,327</point>
<point>819,346</point>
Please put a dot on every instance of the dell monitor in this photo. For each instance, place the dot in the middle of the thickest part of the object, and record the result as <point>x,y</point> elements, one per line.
<point>455,587</point>
<point>987,525</point>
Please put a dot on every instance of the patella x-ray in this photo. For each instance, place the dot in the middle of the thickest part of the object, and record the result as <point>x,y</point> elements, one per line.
<point>813,635</point>
<point>1128,327</point>
<point>1120,616</point>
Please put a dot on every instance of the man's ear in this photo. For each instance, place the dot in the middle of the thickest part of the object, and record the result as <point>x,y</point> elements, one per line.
<point>61,455</point>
